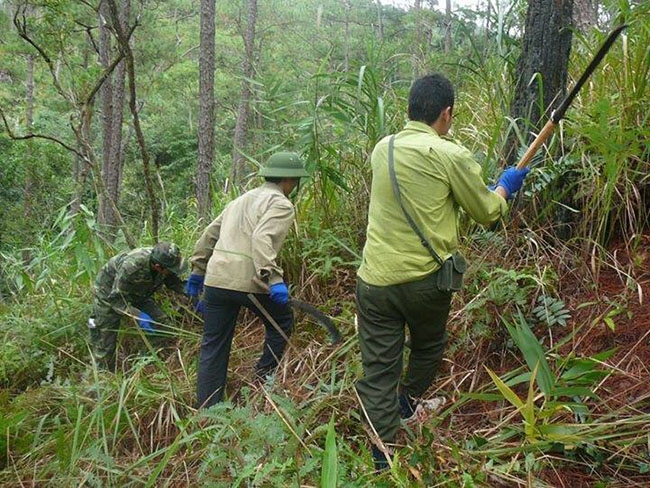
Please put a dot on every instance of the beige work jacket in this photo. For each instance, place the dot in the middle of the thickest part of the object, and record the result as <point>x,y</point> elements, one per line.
<point>239,249</point>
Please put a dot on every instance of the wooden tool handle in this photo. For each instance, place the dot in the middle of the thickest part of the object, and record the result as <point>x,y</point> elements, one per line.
<point>547,130</point>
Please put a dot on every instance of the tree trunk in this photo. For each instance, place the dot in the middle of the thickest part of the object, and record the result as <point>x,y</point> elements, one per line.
<point>28,193</point>
<point>123,37</point>
<point>119,93</point>
<point>238,170</point>
<point>585,14</point>
<point>206,109</point>
<point>542,68</point>
<point>448,27</point>
<point>105,214</point>
<point>112,94</point>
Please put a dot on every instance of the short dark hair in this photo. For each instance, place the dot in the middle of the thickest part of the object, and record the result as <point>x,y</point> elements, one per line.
<point>429,96</point>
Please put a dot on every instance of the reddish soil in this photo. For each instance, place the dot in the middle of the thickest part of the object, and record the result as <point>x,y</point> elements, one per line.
<point>625,301</point>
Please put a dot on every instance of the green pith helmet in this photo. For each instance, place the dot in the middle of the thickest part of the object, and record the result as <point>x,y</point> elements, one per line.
<point>168,256</point>
<point>284,165</point>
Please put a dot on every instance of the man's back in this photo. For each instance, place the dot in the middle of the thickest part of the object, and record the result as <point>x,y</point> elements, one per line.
<point>250,232</point>
<point>129,276</point>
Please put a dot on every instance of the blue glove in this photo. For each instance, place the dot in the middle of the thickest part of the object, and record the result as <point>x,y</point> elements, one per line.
<point>146,322</point>
<point>280,293</point>
<point>194,285</point>
<point>199,307</point>
<point>512,179</point>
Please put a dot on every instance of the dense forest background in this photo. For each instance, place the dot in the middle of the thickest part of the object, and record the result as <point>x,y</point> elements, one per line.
<point>125,122</point>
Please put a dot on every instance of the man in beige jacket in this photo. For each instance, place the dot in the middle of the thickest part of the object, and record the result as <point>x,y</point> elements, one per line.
<point>236,257</point>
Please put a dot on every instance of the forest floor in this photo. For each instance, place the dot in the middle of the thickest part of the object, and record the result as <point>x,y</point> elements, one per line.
<point>624,302</point>
<point>608,312</point>
<point>630,336</point>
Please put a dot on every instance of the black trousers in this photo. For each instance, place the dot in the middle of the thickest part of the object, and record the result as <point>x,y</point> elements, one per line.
<point>219,319</point>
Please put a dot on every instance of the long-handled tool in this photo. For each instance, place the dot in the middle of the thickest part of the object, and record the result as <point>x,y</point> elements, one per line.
<point>558,113</point>
<point>319,317</point>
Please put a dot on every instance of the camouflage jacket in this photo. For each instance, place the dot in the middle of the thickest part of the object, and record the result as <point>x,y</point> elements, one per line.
<point>127,280</point>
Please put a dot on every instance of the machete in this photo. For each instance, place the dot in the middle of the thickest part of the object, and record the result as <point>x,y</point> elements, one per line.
<point>558,113</point>
<point>318,316</point>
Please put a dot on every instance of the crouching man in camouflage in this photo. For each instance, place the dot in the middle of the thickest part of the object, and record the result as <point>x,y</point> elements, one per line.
<point>124,287</point>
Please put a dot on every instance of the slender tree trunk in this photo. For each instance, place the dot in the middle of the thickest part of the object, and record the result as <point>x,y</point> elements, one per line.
<point>238,169</point>
<point>206,109</point>
<point>106,216</point>
<point>112,94</point>
<point>125,48</point>
<point>28,193</point>
<point>542,67</point>
<point>448,45</point>
<point>119,93</point>
<point>585,14</point>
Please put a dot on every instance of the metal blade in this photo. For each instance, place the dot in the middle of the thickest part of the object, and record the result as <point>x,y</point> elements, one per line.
<point>320,317</point>
<point>559,112</point>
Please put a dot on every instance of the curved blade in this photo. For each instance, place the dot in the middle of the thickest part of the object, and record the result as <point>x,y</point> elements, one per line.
<point>320,317</point>
<point>559,112</point>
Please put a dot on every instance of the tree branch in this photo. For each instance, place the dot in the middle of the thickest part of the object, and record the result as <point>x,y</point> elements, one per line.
<point>41,136</point>
<point>20,21</point>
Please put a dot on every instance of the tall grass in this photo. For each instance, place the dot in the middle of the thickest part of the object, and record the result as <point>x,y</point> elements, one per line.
<point>524,401</point>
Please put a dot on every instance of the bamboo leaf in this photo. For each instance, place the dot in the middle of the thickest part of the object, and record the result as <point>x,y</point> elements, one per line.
<point>533,354</point>
<point>329,472</point>
<point>505,390</point>
<point>528,411</point>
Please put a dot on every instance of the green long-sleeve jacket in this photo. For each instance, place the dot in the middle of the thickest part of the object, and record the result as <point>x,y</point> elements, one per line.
<point>436,176</point>
<point>127,280</point>
<point>239,249</point>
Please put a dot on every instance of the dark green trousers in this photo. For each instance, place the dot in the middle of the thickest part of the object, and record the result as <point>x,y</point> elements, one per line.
<point>103,338</point>
<point>383,313</point>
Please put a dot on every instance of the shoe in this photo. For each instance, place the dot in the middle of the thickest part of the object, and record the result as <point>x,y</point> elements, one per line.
<point>407,405</point>
<point>433,404</point>
<point>423,408</point>
<point>381,462</point>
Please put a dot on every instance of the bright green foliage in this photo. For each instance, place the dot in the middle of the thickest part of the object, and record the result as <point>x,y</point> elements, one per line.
<point>329,472</point>
<point>331,98</point>
<point>551,311</point>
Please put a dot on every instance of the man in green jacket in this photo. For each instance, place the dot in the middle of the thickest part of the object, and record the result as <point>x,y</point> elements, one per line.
<point>236,259</point>
<point>400,280</point>
<point>124,287</point>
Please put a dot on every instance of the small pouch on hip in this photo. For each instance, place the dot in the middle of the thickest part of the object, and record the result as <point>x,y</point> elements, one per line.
<point>450,275</point>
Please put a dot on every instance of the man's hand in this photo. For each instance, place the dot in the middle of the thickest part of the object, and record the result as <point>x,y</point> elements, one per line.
<point>194,285</point>
<point>512,179</point>
<point>145,322</point>
<point>280,293</point>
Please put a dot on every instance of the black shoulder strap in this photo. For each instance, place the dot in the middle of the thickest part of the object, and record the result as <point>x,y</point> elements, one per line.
<point>409,219</point>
